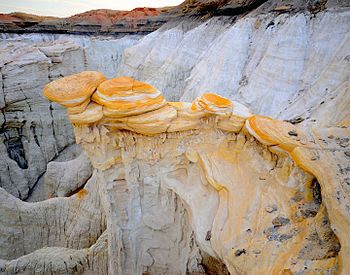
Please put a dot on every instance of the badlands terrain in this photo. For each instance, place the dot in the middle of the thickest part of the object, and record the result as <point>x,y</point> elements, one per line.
<point>208,138</point>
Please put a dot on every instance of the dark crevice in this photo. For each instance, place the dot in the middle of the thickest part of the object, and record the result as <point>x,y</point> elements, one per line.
<point>316,191</point>
<point>2,128</point>
<point>79,188</point>
<point>33,129</point>
<point>14,145</point>
<point>85,60</point>
<point>213,266</point>
<point>53,129</point>
<point>2,81</point>
<point>31,189</point>
<point>322,241</point>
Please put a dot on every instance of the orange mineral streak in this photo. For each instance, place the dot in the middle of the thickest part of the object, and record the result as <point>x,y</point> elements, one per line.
<point>125,86</point>
<point>211,103</point>
<point>79,108</point>
<point>82,194</point>
<point>111,86</point>
<point>125,96</point>
<point>122,105</point>
<point>92,114</point>
<point>179,105</point>
<point>275,132</point>
<point>217,100</point>
<point>73,90</point>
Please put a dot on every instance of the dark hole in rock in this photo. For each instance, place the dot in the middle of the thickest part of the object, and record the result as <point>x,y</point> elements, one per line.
<point>208,236</point>
<point>213,266</point>
<point>296,120</point>
<point>15,151</point>
<point>293,133</point>
<point>33,129</point>
<point>239,252</point>
<point>316,191</point>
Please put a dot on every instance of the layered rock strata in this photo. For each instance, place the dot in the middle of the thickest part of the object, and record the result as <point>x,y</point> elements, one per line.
<point>94,22</point>
<point>259,194</point>
<point>33,130</point>
<point>291,65</point>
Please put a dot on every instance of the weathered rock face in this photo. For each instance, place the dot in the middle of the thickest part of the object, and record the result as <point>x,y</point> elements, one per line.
<point>184,180</point>
<point>33,130</point>
<point>286,65</point>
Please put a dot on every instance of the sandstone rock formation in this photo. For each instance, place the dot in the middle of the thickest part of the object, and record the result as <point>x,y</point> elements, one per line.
<point>285,59</point>
<point>261,195</point>
<point>289,64</point>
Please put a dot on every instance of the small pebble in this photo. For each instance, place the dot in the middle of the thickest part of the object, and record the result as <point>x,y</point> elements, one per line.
<point>239,252</point>
<point>270,209</point>
<point>293,133</point>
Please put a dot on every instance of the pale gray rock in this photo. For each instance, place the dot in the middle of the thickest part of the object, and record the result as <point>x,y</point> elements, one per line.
<point>63,178</point>
<point>102,54</point>
<point>59,260</point>
<point>35,131</point>
<point>279,65</point>
<point>54,222</point>
<point>136,226</point>
<point>42,191</point>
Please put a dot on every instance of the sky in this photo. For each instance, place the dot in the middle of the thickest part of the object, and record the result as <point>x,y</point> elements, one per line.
<point>64,8</point>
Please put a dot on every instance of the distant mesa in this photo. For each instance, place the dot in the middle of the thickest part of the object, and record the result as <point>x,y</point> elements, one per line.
<point>142,21</point>
<point>97,22</point>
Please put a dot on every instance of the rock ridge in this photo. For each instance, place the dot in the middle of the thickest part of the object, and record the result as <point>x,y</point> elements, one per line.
<point>287,214</point>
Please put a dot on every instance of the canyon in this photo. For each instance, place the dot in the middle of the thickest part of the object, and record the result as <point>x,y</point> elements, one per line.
<point>181,178</point>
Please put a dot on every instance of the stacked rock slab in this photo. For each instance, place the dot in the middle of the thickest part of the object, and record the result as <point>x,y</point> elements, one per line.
<point>125,103</point>
<point>261,195</point>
